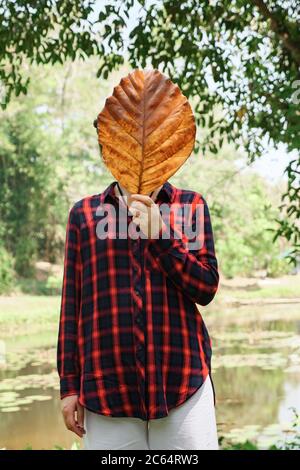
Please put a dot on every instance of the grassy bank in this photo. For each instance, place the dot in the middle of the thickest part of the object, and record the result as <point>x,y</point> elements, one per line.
<point>28,314</point>
<point>25,313</point>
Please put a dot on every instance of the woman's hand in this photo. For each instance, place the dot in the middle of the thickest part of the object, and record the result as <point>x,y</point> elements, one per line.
<point>70,405</point>
<point>146,214</point>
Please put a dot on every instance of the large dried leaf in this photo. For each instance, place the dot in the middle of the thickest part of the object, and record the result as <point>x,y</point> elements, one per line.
<point>146,130</point>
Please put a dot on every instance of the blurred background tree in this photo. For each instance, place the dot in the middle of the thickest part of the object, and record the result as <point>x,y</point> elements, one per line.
<point>49,158</point>
<point>236,61</point>
<point>238,64</point>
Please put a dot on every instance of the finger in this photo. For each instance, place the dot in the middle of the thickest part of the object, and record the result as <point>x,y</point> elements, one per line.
<point>138,213</point>
<point>80,416</point>
<point>142,215</point>
<point>143,198</point>
<point>71,424</point>
<point>134,211</point>
<point>139,205</point>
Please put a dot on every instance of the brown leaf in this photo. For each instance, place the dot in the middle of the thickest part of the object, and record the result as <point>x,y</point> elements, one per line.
<point>146,130</point>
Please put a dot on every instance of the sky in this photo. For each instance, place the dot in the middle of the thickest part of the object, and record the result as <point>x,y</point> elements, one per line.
<point>272,165</point>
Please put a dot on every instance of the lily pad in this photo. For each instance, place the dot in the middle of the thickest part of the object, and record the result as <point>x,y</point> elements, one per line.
<point>10,409</point>
<point>40,397</point>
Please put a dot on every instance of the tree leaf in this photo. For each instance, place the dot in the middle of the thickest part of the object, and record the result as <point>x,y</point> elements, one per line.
<point>146,130</point>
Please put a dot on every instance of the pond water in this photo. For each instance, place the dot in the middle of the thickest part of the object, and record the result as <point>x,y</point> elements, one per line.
<point>256,373</point>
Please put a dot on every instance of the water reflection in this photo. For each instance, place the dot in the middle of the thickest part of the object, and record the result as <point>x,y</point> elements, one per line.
<point>38,425</point>
<point>256,372</point>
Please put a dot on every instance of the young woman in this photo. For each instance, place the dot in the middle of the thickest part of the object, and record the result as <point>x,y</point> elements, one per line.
<point>134,354</point>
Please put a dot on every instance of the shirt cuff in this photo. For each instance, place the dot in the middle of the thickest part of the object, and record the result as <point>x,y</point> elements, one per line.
<point>69,385</point>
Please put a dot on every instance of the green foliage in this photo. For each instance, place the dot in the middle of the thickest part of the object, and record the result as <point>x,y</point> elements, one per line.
<point>247,445</point>
<point>245,243</point>
<point>49,157</point>
<point>289,443</point>
<point>294,442</point>
<point>7,275</point>
<point>243,57</point>
<point>28,187</point>
<point>51,286</point>
<point>235,257</point>
<point>25,251</point>
<point>278,267</point>
<point>28,447</point>
<point>243,208</point>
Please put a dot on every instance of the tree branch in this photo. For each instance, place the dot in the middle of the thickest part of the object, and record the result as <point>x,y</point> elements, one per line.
<point>280,29</point>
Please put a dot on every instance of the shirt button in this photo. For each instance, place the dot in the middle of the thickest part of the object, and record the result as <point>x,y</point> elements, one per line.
<point>140,348</point>
<point>137,292</point>
<point>138,319</point>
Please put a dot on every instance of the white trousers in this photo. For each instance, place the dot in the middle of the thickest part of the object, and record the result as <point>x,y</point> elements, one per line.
<point>191,425</point>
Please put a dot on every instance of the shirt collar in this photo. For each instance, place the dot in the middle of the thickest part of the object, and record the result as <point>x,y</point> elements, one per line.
<point>167,189</point>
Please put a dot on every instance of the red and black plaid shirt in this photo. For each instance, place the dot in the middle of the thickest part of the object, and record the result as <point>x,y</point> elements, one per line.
<point>131,339</point>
